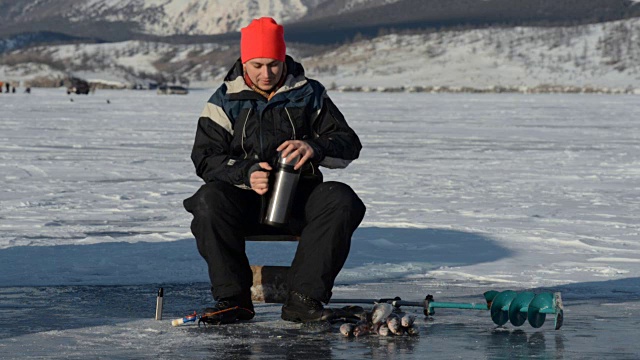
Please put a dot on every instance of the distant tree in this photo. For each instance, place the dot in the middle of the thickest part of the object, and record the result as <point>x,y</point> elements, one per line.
<point>358,37</point>
<point>383,32</point>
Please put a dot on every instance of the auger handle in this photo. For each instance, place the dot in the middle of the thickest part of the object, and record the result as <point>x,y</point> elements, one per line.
<point>395,302</point>
<point>455,305</point>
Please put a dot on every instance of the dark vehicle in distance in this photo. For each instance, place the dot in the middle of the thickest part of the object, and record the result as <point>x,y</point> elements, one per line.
<point>172,89</point>
<point>78,86</point>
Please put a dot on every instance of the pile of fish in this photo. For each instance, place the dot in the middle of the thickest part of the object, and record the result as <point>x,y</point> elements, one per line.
<point>383,320</point>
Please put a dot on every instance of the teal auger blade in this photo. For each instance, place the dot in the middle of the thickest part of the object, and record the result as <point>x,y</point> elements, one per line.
<point>489,296</point>
<point>540,306</point>
<point>519,307</point>
<point>500,307</point>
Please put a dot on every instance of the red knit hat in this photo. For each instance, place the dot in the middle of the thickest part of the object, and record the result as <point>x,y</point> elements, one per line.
<point>263,38</point>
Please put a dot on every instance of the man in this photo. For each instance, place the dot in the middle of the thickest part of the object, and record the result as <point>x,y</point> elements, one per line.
<point>267,108</point>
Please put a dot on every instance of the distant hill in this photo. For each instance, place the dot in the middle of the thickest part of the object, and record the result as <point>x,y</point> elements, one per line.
<point>358,44</point>
<point>439,14</point>
<point>308,21</point>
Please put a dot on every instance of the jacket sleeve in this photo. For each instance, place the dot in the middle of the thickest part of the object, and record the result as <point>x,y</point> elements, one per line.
<point>211,148</point>
<point>335,144</point>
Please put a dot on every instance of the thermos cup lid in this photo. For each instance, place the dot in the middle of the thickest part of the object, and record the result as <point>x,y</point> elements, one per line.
<point>288,160</point>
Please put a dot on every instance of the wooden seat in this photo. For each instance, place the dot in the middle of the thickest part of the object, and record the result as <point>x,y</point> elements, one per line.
<point>270,282</point>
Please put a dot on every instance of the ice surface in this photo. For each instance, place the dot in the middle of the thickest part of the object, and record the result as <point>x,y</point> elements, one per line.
<point>465,193</point>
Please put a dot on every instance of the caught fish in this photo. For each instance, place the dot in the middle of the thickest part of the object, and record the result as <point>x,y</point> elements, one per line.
<point>347,329</point>
<point>407,320</point>
<point>393,322</point>
<point>381,312</point>
<point>383,330</point>
<point>362,328</point>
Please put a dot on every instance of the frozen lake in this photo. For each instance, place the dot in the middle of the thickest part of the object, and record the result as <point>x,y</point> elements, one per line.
<point>465,193</point>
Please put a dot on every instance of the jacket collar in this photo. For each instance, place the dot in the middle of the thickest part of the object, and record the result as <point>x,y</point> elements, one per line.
<point>237,89</point>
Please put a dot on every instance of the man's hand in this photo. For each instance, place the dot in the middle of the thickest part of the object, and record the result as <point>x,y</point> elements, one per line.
<point>259,179</point>
<point>296,147</point>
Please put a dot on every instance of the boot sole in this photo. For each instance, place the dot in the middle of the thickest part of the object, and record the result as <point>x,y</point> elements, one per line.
<point>298,319</point>
<point>287,317</point>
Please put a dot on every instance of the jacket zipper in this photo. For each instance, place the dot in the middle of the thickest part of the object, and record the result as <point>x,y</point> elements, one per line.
<point>293,127</point>
<point>244,134</point>
<point>260,132</point>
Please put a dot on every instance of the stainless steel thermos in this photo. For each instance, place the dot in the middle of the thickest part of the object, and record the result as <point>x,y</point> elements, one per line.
<point>282,192</point>
<point>159,301</point>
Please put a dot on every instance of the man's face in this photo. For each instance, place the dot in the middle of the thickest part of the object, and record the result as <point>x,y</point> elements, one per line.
<point>264,72</point>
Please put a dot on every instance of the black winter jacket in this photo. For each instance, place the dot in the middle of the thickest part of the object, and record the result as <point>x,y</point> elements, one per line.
<point>239,128</point>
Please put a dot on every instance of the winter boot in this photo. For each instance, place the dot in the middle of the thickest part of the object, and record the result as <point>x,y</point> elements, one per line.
<point>301,308</point>
<point>229,310</point>
<point>246,311</point>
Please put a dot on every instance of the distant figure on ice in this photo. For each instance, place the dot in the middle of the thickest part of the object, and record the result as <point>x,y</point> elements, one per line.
<point>7,85</point>
<point>27,90</point>
<point>266,110</point>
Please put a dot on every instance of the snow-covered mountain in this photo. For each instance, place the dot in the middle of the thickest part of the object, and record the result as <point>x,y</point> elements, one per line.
<point>191,17</point>
<point>157,17</point>
<point>200,17</point>
<point>389,43</point>
<point>603,55</point>
<point>117,20</point>
<point>170,17</point>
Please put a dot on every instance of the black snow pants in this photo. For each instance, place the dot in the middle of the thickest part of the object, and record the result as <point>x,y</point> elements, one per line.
<point>325,215</point>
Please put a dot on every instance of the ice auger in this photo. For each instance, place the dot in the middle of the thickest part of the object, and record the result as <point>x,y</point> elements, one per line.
<point>505,306</point>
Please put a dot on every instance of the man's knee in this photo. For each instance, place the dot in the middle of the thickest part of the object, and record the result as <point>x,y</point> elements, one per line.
<point>206,200</point>
<point>338,195</point>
